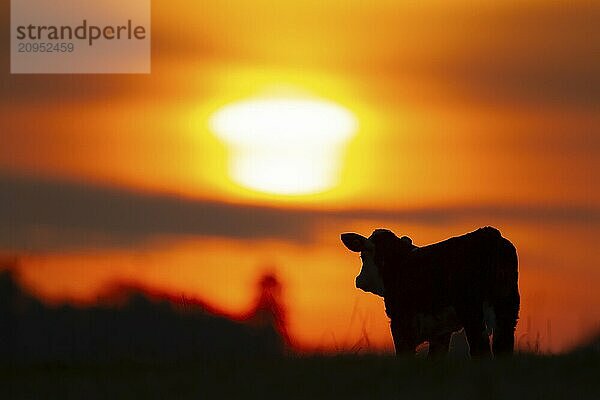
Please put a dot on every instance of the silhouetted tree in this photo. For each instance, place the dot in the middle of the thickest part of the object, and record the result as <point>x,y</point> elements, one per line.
<point>268,313</point>
<point>144,327</point>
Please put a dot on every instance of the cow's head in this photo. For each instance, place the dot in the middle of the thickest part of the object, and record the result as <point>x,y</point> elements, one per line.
<point>372,252</point>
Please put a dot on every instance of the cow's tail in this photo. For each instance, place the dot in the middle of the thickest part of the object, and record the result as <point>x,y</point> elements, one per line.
<point>506,301</point>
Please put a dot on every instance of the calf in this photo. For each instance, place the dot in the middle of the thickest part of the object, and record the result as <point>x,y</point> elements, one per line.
<point>468,281</point>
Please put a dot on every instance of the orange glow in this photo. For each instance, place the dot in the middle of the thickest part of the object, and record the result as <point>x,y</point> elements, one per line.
<point>317,283</point>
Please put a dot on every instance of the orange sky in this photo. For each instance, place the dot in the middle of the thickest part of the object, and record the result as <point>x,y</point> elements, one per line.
<point>482,114</point>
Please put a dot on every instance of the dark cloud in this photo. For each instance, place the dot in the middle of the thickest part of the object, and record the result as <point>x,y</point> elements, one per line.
<point>486,214</point>
<point>44,215</point>
<point>36,210</point>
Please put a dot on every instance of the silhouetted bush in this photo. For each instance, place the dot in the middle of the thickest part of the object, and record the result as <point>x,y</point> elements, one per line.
<point>142,328</point>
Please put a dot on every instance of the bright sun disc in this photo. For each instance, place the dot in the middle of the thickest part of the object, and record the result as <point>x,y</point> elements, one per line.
<point>284,145</point>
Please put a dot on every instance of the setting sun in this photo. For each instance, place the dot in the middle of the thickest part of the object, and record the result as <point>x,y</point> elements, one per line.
<point>284,145</point>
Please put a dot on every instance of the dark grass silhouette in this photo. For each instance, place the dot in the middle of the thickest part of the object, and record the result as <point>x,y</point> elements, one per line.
<point>572,376</point>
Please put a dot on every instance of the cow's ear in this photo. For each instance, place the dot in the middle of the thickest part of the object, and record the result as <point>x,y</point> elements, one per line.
<point>354,241</point>
<point>406,240</point>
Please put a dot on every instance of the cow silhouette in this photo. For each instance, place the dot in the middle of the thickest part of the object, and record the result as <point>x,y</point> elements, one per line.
<point>468,281</point>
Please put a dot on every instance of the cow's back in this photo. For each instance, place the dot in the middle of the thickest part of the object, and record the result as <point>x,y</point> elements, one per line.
<point>478,266</point>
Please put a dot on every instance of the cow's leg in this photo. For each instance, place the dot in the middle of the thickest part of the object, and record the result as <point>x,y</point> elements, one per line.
<point>507,314</point>
<point>479,341</point>
<point>438,345</point>
<point>404,339</point>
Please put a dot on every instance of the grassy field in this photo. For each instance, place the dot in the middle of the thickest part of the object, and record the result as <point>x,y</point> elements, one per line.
<point>573,376</point>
